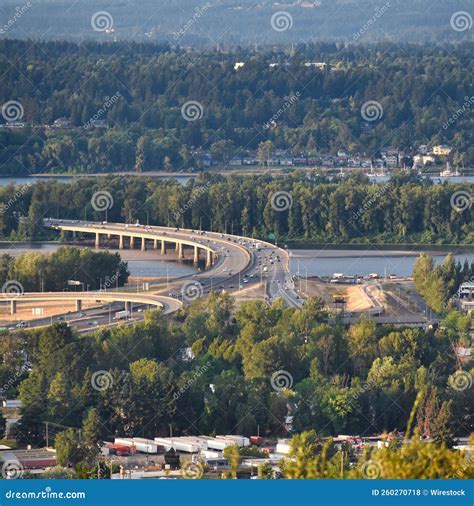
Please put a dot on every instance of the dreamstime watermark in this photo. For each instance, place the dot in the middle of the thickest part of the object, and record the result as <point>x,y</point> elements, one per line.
<point>191,290</point>
<point>108,103</point>
<point>109,281</point>
<point>286,105</point>
<point>461,201</point>
<point>192,470</point>
<point>468,102</point>
<point>19,13</point>
<point>102,201</point>
<point>102,21</point>
<point>198,12</point>
<point>460,380</point>
<point>12,470</point>
<point>461,21</point>
<point>371,110</point>
<point>192,110</point>
<point>101,380</point>
<point>379,12</point>
<point>12,288</point>
<point>200,190</point>
<point>371,470</point>
<point>281,21</point>
<point>280,380</point>
<point>13,200</point>
<point>368,204</point>
<point>190,382</point>
<point>281,201</point>
<point>13,380</point>
<point>12,111</point>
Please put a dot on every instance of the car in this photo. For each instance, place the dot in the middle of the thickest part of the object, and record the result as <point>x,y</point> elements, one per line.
<point>20,325</point>
<point>60,318</point>
<point>82,313</point>
<point>95,322</point>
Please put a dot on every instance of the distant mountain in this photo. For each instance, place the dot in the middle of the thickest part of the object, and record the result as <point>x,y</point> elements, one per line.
<point>226,23</point>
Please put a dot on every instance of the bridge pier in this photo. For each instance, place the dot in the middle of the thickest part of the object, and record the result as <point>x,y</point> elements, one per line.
<point>128,307</point>
<point>143,244</point>
<point>132,242</point>
<point>13,307</point>
<point>155,243</point>
<point>163,247</point>
<point>121,242</point>
<point>180,251</point>
<point>209,259</point>
<point>97,240</point>
<point>196,255</point>
<point>78,305</point>
<point>74,234</point>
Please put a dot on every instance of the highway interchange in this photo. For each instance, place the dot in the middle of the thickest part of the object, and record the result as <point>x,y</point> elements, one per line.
<point>238,262</point>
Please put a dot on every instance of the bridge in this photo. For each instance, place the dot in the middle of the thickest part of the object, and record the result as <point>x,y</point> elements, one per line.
<point>168,304</point>
<point>229,259</point>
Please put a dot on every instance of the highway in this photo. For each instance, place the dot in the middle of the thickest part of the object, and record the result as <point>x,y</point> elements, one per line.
<point>233,263</point>
<point>237,259</point>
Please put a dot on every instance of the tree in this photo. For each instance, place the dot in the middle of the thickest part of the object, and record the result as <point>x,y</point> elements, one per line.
<point>69,449</point>
<point>232,454</point>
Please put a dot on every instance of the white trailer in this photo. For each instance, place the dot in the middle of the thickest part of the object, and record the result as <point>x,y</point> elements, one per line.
<point>177,444</point>
<point>240,441</point>
<point>217,444</point>
<point>145,445</point>
<point>120,315</point>
<point>127,441</point>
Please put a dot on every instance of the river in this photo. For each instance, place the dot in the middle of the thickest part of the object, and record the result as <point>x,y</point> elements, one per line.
<point>326,262</point>
<point>4,181</point>
<point>308,262</point>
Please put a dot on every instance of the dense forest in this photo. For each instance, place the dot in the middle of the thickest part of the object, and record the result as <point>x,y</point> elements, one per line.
<point>308,102</point>
<point>251,367</point>
<point>232,22</point>
<point>404,210</point>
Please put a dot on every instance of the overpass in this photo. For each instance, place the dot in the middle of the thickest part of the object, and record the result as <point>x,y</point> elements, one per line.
<point>229,259</point>
<point>168,304</point>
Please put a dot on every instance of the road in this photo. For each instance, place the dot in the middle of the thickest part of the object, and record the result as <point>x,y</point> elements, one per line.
<point>239,260</point>
<point>238,263</point>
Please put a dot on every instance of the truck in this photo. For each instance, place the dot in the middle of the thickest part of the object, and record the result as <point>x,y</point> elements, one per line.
<point>120,315</point>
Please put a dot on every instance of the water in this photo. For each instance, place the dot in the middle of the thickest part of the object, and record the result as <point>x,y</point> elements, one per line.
<point>151,266</point>
<point>314,262</point>
<point>326,262</point>
<point>5,181</point>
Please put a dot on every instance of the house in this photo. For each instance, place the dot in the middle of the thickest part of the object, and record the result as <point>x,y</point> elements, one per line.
<point>300,161</point>
<point>423,159</point>
<point>62,123</point>
<point>442,150</point>
<point>250,160</point>
<point>235,162</point>
<point>391,161</point>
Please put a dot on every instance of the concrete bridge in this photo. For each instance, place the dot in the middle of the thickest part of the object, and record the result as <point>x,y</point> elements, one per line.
<point>159,238</point>
<point>228,260</point>
<point>168,304</point>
